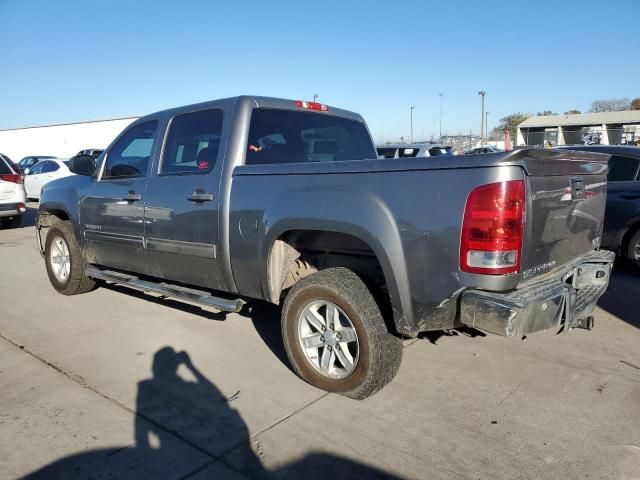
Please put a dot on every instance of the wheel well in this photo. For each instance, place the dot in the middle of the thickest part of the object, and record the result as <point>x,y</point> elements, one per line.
<point>298,253</point>
<point>60,214</point>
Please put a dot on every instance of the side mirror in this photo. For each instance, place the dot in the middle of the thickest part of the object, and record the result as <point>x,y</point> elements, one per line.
<point>26,171</point>
<point>82,165</point>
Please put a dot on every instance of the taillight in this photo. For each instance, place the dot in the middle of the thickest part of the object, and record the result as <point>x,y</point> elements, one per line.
<point>11,177</point>
<point>312,106</point>
<point>492,229</point>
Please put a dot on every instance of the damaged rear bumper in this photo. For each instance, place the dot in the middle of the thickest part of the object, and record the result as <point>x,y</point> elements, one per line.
<point>561,302</point>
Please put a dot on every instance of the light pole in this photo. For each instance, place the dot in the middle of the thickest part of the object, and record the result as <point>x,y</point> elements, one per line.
<point>434,130</point>
<point>315,96</point>
<point>482,93</point>
<point>440,116</point>
<point>411,113</point>
<point>486,125</point>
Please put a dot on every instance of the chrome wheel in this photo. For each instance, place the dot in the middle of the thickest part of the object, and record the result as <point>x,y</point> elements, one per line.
<point>328,339</point>
<point>59,259</point>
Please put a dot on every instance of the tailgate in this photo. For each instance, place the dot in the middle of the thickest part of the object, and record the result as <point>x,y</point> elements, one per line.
<point>565,208</point>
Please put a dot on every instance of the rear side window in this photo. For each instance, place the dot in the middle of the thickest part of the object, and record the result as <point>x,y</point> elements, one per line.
<point>408,152</point>
<point>622,169</point>
<point>49,167</point>
<point>285,136</point>
<point>130,155</point>
<point>193,143</point>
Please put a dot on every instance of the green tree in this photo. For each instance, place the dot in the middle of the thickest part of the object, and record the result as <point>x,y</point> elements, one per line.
<point>545,113</point>
<point>572,112</point>
<point>511,122</point>
<point>635,104</point>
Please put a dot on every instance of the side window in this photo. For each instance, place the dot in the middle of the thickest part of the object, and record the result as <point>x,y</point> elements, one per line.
<point>50,167</point>
<point>193,143</point>
<point>37,169</point>
<point>622,169</point>
<point>129,157</point>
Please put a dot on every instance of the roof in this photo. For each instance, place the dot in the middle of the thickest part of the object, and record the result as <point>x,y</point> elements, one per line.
<point>599,118</point>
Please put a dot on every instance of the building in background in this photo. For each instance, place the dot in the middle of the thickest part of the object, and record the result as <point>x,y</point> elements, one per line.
<point>62,140</point>
<point>606,128</point>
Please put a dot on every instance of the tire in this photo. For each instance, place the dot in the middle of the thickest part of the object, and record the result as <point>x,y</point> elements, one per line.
<point>13,222</point>
<point>376,354</point>
<point>633,249</point>
<point>61,241</point>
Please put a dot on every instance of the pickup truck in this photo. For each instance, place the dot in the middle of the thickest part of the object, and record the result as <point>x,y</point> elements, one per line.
<point>286,201</point>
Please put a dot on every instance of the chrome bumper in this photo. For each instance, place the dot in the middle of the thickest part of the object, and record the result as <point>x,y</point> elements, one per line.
<point>561,302</point>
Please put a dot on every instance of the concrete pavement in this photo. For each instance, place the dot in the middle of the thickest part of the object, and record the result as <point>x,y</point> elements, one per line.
<point>116,384</point>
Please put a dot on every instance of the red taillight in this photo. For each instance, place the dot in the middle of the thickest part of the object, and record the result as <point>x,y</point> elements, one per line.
<point>312,106</point>
<point>11,177</point>
<point>491,240</point>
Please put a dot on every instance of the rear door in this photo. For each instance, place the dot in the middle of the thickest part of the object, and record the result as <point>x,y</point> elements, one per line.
<point>111,209</point>
<point>182,201</point>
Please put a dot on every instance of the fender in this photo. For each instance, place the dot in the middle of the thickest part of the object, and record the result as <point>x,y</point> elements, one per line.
<point>359,214</point>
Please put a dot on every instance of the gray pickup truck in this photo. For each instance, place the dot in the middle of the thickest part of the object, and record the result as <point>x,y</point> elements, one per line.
<point>286,201</point>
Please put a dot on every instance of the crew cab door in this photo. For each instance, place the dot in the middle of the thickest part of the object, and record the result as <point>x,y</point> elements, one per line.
<point>111,209</point>
<point>182,201</point>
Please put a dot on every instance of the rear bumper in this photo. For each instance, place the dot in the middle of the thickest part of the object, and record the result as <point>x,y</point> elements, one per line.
<point>559,302</point>
<point>11,209</point>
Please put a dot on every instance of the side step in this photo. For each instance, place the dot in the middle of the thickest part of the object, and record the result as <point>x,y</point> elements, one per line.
<point>177,292</point>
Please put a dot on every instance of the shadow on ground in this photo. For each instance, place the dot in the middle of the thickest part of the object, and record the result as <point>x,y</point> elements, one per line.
<point>173,412</point>
<point>621,298</point>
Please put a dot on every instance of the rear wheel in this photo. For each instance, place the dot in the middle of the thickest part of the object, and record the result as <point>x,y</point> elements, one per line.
<point>63,258</point>
<point>13,222</point>
<point>335,336</point>
<point>633,249</point>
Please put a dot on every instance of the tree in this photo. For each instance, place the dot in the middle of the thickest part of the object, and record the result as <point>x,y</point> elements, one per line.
<point>511,122</point>
<point>572,112</point>
<point>611,105</point>
<point>545,113</point>
<point>635,104</point>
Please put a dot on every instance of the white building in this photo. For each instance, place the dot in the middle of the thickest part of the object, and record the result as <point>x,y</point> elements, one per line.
<point>63,140</point>
<point>606,128</point>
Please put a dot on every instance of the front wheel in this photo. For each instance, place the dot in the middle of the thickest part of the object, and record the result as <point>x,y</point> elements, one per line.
<point>65,265</point>
<point>335,336</point>
<point>633,249</point>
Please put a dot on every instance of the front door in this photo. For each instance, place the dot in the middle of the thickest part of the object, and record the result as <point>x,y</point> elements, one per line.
<point>111,209</point>
<point>182,202</point>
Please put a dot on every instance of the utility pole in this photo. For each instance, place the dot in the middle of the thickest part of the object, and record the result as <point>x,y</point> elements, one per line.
<point>434,130</point>
<point>440,116</point>
<point>315,96</point>
<point>482,93</point>
<point>411,113</point>
<point>486,125</point>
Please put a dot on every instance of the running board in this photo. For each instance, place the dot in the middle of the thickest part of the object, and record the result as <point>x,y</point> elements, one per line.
<point>177,292</point>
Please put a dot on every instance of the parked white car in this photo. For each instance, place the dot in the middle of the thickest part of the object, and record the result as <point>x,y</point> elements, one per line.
<point>43,172</point>
<point>12,195</point>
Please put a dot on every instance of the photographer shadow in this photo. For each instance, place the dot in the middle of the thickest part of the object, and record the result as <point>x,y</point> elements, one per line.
<point>185,426</point>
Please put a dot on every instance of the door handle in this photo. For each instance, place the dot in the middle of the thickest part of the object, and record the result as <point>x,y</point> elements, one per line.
<point>132,196</point>
<point>200,196</point>
<point>630,196</point>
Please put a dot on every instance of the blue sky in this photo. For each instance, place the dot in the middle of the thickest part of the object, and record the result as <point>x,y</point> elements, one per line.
<point>65,61</point>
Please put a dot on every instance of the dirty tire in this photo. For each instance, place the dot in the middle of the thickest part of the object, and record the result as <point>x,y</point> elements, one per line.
<point>633,250</point>
<point>13,222</point>
<point>380,352</point>
<point>76,282</point>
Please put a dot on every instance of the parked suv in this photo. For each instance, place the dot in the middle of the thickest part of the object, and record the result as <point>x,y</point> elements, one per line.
<point>12,196</point>
<point>402,150</point>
